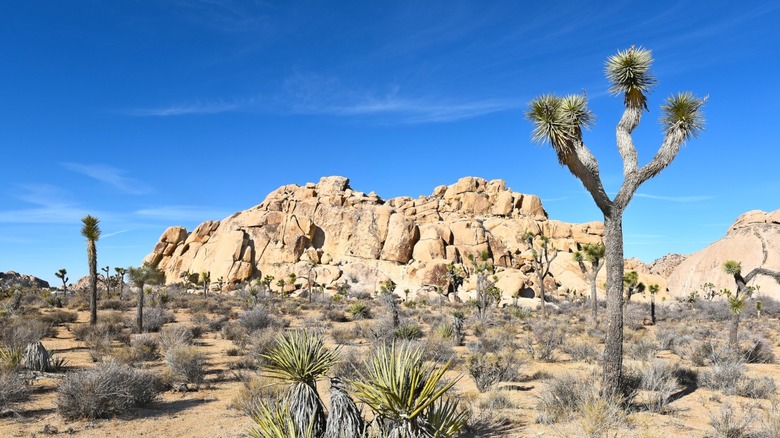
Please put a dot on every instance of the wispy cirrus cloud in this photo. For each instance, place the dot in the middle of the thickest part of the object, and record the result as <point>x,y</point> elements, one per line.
<point>699,198</point>
<point>115,233</point>
<point>111,176</point>
<point>311,94</point>
<point>192,108</point>
<point>181,213</point>
<point>52,205</point>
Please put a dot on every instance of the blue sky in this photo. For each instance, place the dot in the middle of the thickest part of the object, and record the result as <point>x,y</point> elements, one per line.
<point>148,114</point>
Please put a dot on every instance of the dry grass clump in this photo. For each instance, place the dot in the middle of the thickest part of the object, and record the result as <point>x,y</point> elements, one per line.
<point>488,369</point>
<point>106,390</point>
<point>174,335</point>
<point>547,338</point>
<point>155,318</point>
<point>187,364</point>
<point>13,389</point>
<point>731,423</point>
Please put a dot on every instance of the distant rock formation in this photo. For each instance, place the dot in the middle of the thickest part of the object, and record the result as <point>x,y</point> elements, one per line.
<point>340,234</point>
<point>753,240</point>
<point>12,279</point>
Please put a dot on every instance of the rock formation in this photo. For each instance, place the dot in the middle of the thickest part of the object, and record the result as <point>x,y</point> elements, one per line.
<point>340,234</point>
<point>14,279</point>
<point>753,240</point>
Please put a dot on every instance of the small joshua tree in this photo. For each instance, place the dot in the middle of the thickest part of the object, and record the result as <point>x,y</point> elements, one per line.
<point>593,254</point>
<point>632,285</point>
<point>738,299</point>
<point>120,277</point>
<point>62,274</point>
<point>543,254</point>
<point>205,280</point>
<point>146,274</point>
<point>653,288</point>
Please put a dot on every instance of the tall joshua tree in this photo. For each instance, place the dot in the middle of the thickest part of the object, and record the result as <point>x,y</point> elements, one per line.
<point>738,299</point>
<point>559,121</point>
<point>594,255</point>
<point>90,229</point>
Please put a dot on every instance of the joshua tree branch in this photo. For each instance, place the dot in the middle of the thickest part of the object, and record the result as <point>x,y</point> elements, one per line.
<point>630,120</point>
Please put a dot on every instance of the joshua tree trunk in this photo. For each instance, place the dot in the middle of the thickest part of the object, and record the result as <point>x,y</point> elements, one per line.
<point>92,252</point>
<point>594,299</point>
<point>613,344</point>
<point>734,331</point>
<point>139,310</point>
<point>652,308</point>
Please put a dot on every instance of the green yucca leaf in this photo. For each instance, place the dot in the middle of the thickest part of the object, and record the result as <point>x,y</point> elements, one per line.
<point>299,356</point>
<point>682,113</point>
<point>559,121</point>
<point>445,419</point>
<point>276,421</point>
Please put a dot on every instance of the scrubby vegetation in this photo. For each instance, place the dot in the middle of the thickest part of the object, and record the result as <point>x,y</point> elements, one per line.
<point>419,367</point>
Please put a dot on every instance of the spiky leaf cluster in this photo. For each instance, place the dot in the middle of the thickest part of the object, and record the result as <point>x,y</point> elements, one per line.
<point>732,267</point>
<point>274,420</point>
<point>682,113</point>
<point>629,73</point>
<point>559,121</point>
<point>299,356</point>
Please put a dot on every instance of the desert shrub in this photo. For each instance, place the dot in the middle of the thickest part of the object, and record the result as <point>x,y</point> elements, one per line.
<point>114,304</point>
<point>235,332</point>
<point>643,349</point>
<point>408,331</point>
<point>343,336</point>
<point>187,364</point>
<point>98,339</point>
<point>155,318</point>
<point>209,324</point>
<point>725,373</point>
<point>174,335</point>
<point>145,347</point>
<point>444,330</point>
<point>256,319</point>
<point>260,343</point>
<point>634,315</point>
<point>496,400</point>
<point>770,420</point>
<point>729,423</point>
<point>334,315</point>
<point>581,351</point>
<point>757,350</point>
<point>489,369</point>
<point>658,377</point>
<point>59,316</point>
<point>13,389</point>
<point>257,390</point>
<point>18,332</point>
<point>600,416</point>
<point>108,389</point>
<point>439,350</point>
<point>492,340</point>
<point>759,387</point>
<point>350,366</point>
<point>520,312</point>
<point>547,337</point>
<point>560,399</point>
<point>359,310</point>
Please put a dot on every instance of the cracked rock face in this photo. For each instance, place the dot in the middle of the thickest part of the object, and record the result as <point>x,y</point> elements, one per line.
<point>753,240</point>
<point>348,235</point>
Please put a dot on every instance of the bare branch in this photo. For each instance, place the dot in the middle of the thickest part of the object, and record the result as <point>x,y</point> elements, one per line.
<point>630,120</point>
<point>762,271</point>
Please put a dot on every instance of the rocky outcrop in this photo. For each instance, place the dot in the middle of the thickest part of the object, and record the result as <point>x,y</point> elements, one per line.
<point>753,240</point>
<point>348,235</point>
<point>13,279</point>
<point>666,264</point>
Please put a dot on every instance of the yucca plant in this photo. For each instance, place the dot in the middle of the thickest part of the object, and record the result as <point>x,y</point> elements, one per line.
<point>407,395</point>
<point>276,421</point>
<point>300,357</point>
